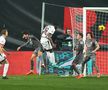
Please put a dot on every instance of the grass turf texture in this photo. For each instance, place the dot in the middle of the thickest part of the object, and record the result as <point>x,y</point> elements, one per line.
<point>53,82</point>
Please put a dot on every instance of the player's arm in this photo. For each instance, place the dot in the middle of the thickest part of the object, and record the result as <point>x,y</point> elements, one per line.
<point>22,45</point>
<point>52,43</point>
<point>80,46</point>
<point>4,50</point>
<point>1,48</point>
<point>97,47</point>
<point>36,39</point>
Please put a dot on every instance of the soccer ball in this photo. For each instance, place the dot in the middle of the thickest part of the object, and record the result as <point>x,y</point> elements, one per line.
<point>101,27</point>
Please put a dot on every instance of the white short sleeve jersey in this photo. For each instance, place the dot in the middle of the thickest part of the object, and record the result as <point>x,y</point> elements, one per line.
<point>44,38</point>
<point>45,42</point>
<point>2,40</point>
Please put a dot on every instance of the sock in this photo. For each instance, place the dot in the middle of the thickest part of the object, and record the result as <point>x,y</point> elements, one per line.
<point>76,70</point>
<point>96,68</point>
<point>32,64</point>
<point>51,58</point>
<point>71,68</point>
<point>82,69</point>
<point>6,66</point>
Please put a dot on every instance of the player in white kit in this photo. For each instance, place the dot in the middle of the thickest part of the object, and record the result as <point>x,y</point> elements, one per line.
<point>3,60</point>
<point>47,43</point>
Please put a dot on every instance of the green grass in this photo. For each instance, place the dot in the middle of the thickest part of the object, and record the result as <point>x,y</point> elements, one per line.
<point>53,82</point>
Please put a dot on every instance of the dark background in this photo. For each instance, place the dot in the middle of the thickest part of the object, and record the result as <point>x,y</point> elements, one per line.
<point>25,15</point>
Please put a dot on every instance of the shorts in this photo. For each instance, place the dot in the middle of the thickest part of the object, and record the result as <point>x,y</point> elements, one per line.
<point>50,50</point>
<point>79,58</point>
<point>93,57</point>
<point>2,57</point>
<point>36,51</point>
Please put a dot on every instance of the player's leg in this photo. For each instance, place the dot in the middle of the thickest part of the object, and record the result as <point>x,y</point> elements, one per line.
<point>51,57</point>
<point>5,70</point>
<point>4,61</point>
<point>97,70</point>
<point>0,65</point>
<point>32,61</point>
<point>43,60</point>
<point>72,70</point>
<point>74,67</point>
<point>40,62</point>
<point>74,63</point>
<point>93,57</point>
<point>37,53</point>
<point>33,56</point>
<point>86,59</point>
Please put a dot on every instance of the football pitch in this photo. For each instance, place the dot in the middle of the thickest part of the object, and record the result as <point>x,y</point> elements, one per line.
<point>53,82</point>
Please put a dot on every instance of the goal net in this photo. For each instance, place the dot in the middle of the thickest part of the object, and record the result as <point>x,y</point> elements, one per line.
<point>83,20</point>
<point>96,21</point>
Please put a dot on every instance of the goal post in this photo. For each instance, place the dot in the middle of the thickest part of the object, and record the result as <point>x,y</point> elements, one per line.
<point>95,20</point>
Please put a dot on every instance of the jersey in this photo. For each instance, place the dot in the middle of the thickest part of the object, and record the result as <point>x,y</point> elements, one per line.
<point>79,52</point>
<point>46,43</point>
<point>79,47</point>
<point>91,45</point>
<point>2,40</point>
<point>32,42</point>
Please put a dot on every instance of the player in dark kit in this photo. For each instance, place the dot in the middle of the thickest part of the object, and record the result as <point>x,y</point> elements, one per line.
<point>91,46</point>
<point>79,55</point>
<point>34,43</point>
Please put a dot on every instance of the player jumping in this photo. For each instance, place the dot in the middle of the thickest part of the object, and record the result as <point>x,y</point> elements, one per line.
<point>34,43</point>
<point>47,43</point>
